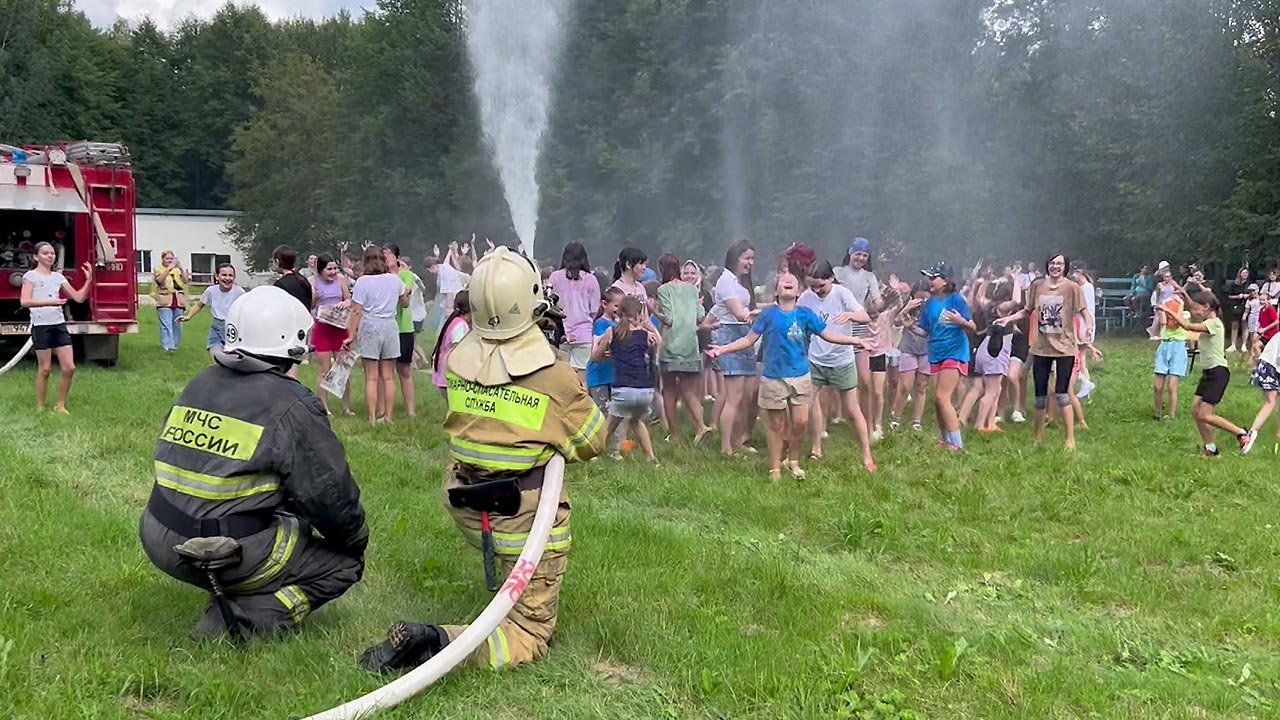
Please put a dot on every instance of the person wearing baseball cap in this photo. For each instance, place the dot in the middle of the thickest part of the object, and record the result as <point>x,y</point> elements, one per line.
<point>945,317</point>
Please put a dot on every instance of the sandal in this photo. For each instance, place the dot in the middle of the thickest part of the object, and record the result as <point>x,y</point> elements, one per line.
<point>775,475</point>
<point>701,436</point>
<point>796,471</point>
<point>815,455</point>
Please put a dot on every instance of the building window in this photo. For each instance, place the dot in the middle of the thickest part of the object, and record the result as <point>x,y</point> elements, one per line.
<point>142,259</point>
<point>204,266</point>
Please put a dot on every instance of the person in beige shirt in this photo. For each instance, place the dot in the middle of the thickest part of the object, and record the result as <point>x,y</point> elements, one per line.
<point>1053,302</point>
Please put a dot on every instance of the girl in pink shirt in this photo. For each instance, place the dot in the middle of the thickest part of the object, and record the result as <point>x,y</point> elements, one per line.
<point>455,328</point>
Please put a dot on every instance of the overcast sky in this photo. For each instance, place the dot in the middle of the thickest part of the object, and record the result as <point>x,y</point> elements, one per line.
<point>167,12</point>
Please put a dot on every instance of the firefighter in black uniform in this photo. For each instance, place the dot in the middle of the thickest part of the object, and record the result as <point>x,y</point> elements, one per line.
<point>247,454</point>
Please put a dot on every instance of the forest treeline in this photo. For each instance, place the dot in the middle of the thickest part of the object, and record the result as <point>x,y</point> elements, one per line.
<point>1124,131</point>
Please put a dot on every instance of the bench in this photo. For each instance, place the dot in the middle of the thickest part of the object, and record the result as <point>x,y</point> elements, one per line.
<point>1113,312</point>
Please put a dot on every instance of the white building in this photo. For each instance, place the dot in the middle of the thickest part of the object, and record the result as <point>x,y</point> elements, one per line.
<point>198,239</point>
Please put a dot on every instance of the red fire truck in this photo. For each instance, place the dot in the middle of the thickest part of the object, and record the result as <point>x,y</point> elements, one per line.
<point>80,197</point>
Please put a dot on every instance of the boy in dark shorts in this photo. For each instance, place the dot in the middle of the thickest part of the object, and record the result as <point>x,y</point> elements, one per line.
<point>1216,375</point>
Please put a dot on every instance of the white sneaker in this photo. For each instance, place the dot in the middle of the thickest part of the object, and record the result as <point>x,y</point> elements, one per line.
<point>1017,417</point>
<point>877,435</point>
<point>1247,440</point>
<point>1086,387</point>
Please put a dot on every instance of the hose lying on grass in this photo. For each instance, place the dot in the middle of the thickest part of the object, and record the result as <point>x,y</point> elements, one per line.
<point>455,652</point>
<point>16,358</point>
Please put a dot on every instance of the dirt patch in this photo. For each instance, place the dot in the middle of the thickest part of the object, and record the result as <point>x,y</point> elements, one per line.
<point>143,708</point>
<point>1121,610</point>
<point>753,630</point>
<point>616,673</point>
<point>870,620</point>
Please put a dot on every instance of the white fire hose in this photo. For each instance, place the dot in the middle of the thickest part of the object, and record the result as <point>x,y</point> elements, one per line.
<point>16,358</point>
<point>455,652</point>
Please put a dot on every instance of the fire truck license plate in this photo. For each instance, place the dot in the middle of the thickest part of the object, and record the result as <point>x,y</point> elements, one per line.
<point>15,329</point>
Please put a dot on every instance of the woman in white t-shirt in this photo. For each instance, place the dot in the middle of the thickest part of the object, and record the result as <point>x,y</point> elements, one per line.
<point>376,297</point>
<point>734,309</point>
<point>42,294</point>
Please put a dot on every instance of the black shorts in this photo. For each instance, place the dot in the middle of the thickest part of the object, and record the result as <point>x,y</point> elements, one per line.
<point>1021,347</point>
<point>1213,384</point>
<point>406,349</point>
<point>879,363</point>
<point>49,337</point>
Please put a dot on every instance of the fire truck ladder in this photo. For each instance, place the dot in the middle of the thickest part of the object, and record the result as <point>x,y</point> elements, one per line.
<point>107,216</point>
<point>112,155</point>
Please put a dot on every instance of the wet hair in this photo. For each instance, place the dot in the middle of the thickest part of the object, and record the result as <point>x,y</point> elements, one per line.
<point>393,249</point>
<point>668,267</point>
<point>731,257</point>
<point>799,259</point>
<point>1002,292</point>
<point>822,270</point>
<point>631,307</point>
<point>323,261</point>
<point>573,261</point>
<point>627,259</point>
<point>609,295</point>
<point>221,266</point>
<point>461,306</point>
<point>40,246</point>
<point>1206,299</point>
<point>466,265</point>
<point>285,256</point>
<point>374,263</point>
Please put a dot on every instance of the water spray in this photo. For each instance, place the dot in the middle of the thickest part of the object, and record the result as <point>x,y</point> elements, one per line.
<point>514,47</point>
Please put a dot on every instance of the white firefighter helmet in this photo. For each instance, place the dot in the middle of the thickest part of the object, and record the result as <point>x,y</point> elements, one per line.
<point>268,322</point>
<point>506,300</point>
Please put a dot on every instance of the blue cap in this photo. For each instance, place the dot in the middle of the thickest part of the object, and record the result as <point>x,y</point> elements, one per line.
<point>860,245</point>
<point>941,269</point>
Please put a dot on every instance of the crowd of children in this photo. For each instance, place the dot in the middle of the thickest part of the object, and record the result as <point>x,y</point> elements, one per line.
<point>816,345</point>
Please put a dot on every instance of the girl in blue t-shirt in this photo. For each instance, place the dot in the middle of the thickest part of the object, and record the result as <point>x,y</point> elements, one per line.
<point>600,372</point>
<point>945,318</point>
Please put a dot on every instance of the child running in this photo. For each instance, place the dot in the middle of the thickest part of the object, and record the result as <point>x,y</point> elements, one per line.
<point>1216,374</point>
<point>42,290</point>
<point>786,388</point>
<point>455,328</point>
<point>1266,377</point>
<point>945,318</point>
<point>219,298</point>
<point>632,344</point>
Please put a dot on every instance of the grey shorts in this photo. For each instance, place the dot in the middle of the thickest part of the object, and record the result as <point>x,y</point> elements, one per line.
<point>578,353</point>
<point>630,403</point>
<point>379,338</point>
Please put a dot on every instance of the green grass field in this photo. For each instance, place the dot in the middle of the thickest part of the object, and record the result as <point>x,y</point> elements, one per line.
<point>1131,580</point>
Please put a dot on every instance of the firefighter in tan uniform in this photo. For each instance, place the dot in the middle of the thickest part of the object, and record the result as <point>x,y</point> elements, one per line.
<point>512,405</point>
